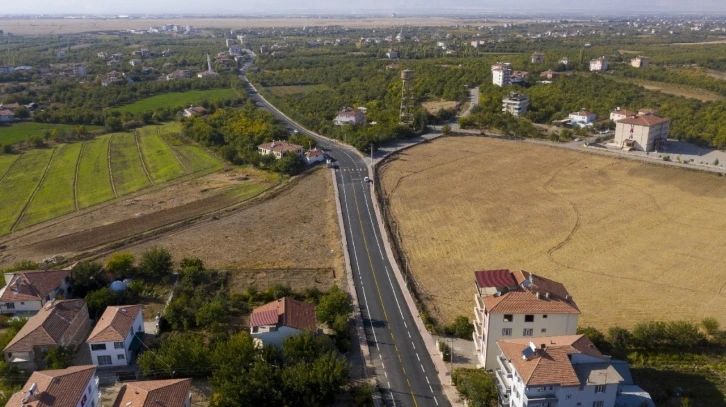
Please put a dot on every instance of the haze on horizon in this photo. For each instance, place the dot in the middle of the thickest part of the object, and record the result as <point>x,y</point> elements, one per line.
<point>250,7</point>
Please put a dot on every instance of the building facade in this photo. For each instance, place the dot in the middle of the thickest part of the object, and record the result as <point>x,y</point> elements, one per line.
<point>280,148</point>
<point>116,336</point>
<point>26,292</point>
<point>599,64</point>
<point>272,323</point>
<point>639,62</point>
<point>350,116</point>
<point>620,114</point>
<point>518,304</point>
<point>74,386</point>
<point>537,58</point>
<point>643,132</point>
<point>582,118</point>
<point>515,104</point>
<point>502,74</point>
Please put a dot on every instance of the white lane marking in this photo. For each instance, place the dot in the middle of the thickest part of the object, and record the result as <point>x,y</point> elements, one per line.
<point>419,359</point>
<point>404,324</point>
<point>409,335</point>
<point>437,402</point>
<point>414,346</point>
<point>427,380</point>
<point>432,390</point>
<point>384,372</point>
<point>422,369</point>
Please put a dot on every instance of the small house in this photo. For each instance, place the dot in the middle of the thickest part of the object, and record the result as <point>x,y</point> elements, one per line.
<point>166,393</point>
<point>582,118</point>
<point>314,155</point>
<point>192,111</point>
<point>117,336</point>
<point>273,322</point>
<point>26,292</point>
<point>73,386</point>
<point>280,148</point>
<point>350,116</point>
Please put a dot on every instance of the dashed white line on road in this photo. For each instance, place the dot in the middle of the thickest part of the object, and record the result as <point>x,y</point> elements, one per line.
<point>432,390</point>
<point>437,402</point>
<point>414,346</point>
<point>419,359</point>
<point>409,335</point>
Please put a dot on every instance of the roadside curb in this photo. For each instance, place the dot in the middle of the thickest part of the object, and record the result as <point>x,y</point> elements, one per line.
<point>433,351</point>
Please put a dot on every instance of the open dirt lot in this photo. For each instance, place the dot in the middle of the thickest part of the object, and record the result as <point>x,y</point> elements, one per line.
<point>631,241</point>
<point>102,224</point>
<point>677,90</point>
<point>292,238</point>
<point>66,26</point>
<point>434,106</point>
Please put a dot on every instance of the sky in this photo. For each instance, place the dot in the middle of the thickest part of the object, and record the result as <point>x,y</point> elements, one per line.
<point>247,7</point>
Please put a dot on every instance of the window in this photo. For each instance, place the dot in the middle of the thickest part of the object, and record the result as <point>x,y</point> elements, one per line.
<point>543,330</point>
<point>598,404</point>
<point>600,389</point>
<point>544,316</point>
<point>10,305</point>
<point>118,345</point>
<point>273,329</point>
<point>104,360</point>
<point>540,389</point>
<point>98,346</point>
<point>121,357</point>
<point>529,318</point>
<point>508,318</point>
<point>506,331</point>
<point>255,329</point>
<point>22,303</point>
<point>568,397</point>
<point>527,332</point>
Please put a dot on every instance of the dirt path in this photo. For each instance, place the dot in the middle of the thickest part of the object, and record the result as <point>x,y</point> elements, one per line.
<point>75,176</point>
<point>9,168</point>
<point>110,171</point>
<point>141,156</point>
<point>37,187</point>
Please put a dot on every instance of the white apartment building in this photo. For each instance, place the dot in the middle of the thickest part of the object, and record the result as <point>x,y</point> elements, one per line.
<point>642,132</point>
<point>599,64</point>
<point>562,371</point>
<point>582,118</point>
<point>502,74</point>
<point>74,386</point>
<point>620,114</point>
<point>516,104</point>
<point>537,58</point>
<point>519,304</point>
<point>116,336</point>
<point>639,62</point>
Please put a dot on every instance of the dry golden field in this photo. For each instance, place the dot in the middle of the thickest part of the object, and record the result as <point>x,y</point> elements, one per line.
<point>33,26</point>
<point>631,241</point>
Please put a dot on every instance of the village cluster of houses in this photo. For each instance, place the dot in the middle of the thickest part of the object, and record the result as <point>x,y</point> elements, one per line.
<point>114,341</point>
<point>525,332</point>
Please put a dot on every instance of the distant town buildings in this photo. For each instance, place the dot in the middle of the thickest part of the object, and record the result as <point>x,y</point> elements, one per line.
<point>79,70</point>
<point>519,304</point>
<point>599,64</point>
<point>639,62</point>
<point>515,104</point>
<point>537,58</point>
<point>350,116</point>
<point>501,74</point>
<point>550,74</point>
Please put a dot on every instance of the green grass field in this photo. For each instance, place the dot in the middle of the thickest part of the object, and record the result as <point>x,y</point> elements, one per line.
<point>160,160</point>
<point>18,186</point>
<point>94,184</point>
<point>20,132</point>
<point>126,167</point>
<point>55,195</point>
<point>176,99</point>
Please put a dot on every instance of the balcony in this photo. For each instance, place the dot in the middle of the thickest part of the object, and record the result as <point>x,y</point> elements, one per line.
<point>504,364</point>
<point>479,303</point>
<point>548,400</point>
<point>504,380</point>
<point>478,330</point>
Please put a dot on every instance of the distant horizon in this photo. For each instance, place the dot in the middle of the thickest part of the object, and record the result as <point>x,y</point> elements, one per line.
<point>329,8</point>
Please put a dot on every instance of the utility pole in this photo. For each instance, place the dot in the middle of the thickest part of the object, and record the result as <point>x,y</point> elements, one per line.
<point>451,363</point>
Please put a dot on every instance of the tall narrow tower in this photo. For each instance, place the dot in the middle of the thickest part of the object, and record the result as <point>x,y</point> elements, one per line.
<point>209,63</point>
<point>407,100</point>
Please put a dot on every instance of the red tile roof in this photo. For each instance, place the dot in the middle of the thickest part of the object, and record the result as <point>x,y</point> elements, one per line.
<point>154,393</point>
<point>32,285</point>
<point>314,153</point>
<point>115,324</point>
<point>535,295</point>
<point>552,364</point>
<point>624,112</point>
<point>55,388</point>
<point>47,326</point>
<point>291,313</point>
<point>495,278</point>
<point>280,147</point>
<point>644,120</point>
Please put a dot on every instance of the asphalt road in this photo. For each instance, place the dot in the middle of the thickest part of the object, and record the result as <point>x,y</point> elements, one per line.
<point>403,368</point>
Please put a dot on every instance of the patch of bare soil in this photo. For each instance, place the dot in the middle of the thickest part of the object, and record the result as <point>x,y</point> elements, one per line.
<point>126,217</point>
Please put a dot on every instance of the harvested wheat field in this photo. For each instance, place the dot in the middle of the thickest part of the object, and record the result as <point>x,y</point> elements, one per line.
<point>631,241</point>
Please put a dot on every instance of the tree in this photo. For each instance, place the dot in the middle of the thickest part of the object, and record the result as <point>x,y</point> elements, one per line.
<point>620,338</point>
<point>21,112</point>
<point>289,164</point>
<point>446,129</point>
<point>156,264</point>
<point>121,265</point>
<point>710,325</point>
<point>185,354</point>
<point>460,328</point>
<point>334,303</point>
<point>211,313</point>
<point>476,386</point>
<point>58,357</point>
<point>597,338</point>
<point>7,148</point>
<point>87,277</point>
<point>98,300</point>
<point>113,123</point>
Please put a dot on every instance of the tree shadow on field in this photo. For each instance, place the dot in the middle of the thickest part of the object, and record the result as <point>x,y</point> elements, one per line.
<point>664,385</point>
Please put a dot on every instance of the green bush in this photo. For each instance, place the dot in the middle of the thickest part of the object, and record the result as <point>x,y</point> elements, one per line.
<point>461,328</point>
<point>156,264</point>
<point>476,386</point>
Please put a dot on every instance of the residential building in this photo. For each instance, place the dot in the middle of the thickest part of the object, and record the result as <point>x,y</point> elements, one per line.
<point>518,304</point>
<point>501,73</point>
<point>273,322</point>
<point>582,118</point>
<point>6,69</point>
<point>391,54</point>
<point>194,111</point>
<point>314,155</point>
<point>235,50</point>
<point>639,62</point>
<point>279,148</point>
<point>518,76</point>
<point>647,110</point>
<point>135,62</point>
<point>229,42</point>
<point>516,104</point>
<point>116,336</point>
<point>562,371</point>
<point>537,58</point>
<point>26,292</point>
<point>642,132</point>
<point>599,64</point>
<point>79,70</point>
<point>166,393</point>
<point>620,114</point>
<point>58,323</point>
<point>350,116</point>
<point>565,61</point>
<point>6,116</point>
<point>550,74</point>
<point>179,74</point>
<point>74,386</point>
